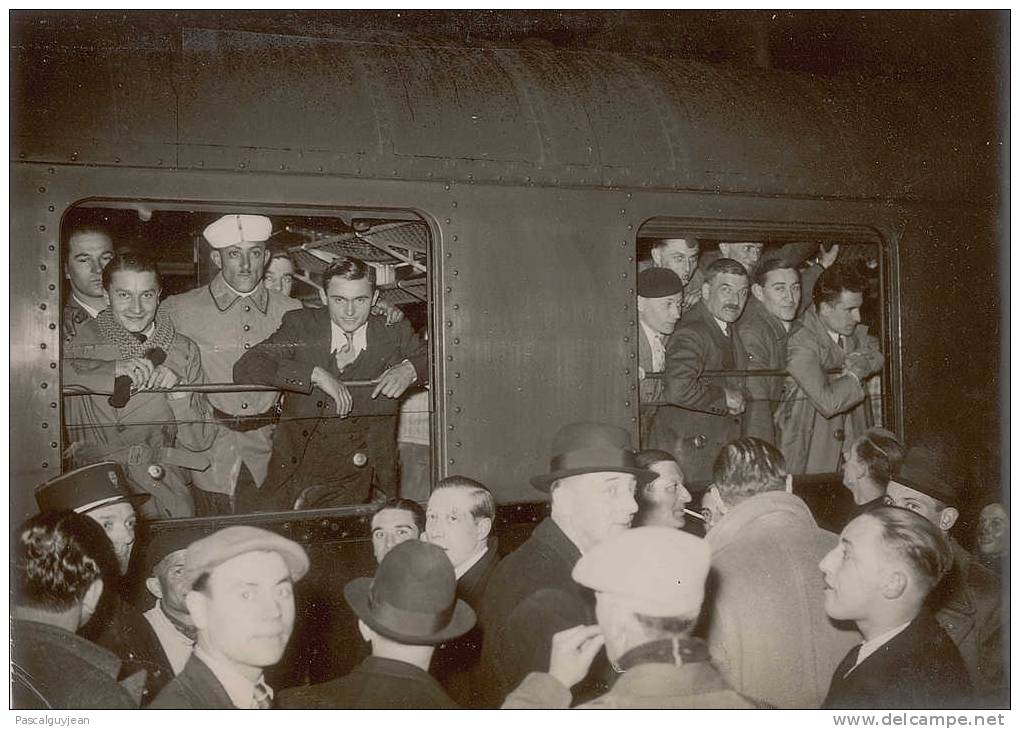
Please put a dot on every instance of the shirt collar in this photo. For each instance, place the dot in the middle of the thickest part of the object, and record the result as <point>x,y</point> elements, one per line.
<point>724,326</point>
<point>225,296</point>
<point>461,570</point>
<point>833,336</point>
<point>90,310</point>
<point>870,646</point>
<point>338,337</point>
<point>240,690</point>
<point>653,335</point>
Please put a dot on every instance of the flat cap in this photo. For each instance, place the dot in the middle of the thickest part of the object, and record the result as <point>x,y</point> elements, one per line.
<point>656,571</point>
<point>209,552</point>
<point>231,230</point>
<point>656,283</point>
<point>919,471</point>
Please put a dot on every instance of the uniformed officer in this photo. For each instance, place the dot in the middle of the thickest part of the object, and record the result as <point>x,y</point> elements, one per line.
<point>240,583</point>
<point>234,312</point>
<point>649,583</point>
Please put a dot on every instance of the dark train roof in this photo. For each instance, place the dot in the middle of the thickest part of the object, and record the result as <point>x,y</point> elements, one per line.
<point>232,100</point>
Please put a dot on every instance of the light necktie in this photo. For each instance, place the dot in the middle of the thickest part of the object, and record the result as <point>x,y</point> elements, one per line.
<point>345,354</point>
<point>260,695</point>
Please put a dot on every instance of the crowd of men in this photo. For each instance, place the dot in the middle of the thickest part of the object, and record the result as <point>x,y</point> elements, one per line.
<point>609,603</point>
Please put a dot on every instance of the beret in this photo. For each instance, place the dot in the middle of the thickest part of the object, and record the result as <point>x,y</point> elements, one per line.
<point>231,230</point>
<point>656,571</point>
<point>209,552</point>
<point>656,283</point>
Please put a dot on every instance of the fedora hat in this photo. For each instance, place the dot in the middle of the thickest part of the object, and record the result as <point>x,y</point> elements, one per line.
<point>413,597</point>
<point>87,488</point>
<point>590,448</point>
<point>919,470</point>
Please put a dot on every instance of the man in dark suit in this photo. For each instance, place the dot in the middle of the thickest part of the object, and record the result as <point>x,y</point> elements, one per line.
<point>886,563</point>
<point>340,440</point>
<point>241,598</point>
<point>703,413</point>
<point>531,596</point>
<point>660,298</point>
<point>408,608</point>
<point>459,520</point>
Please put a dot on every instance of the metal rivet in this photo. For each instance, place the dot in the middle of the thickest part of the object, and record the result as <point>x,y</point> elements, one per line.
<point>449,289</point>
<point>625,275</point>
<point>633,420</point>
<point>626,403</point>
<point>449,255</point>
<point>449,358</point>
<point>44,385</point>
<point>50,170</point>
<point>42,267</point>
<point>116,160</point>
<point>457,409</point>
<point>446,187</point>
<point>53,405</point>
<point>623,211</point>
<point>626,371</point>
<point>51,248</point>
<point>626,307</point>
<point>53,326</point>
<point>631,355</point>
<point>449,323</point>
<point>455,239</point>
<point>455,272</point>
<point>42,189</point>
<point>42,345</point>
<point>447,221</point>
<point>50,208</point>
<point>626,339</point>
<point>458,444</point>
<point>53,444</point>
<point>42,306</point>
<point>450,393</point>
<point>45,426</point>
<point>52,287</point>
<point>45,464</point>
<point>456,375</point>
<point>240,164</point>
<point>629,196</point>
<point>452,461</point>
<point>456,307</point>
<point>633,387</point>
<point>449,427</point>
<point>53,365</point>
<point>456,340</point>
<point>453,204</point>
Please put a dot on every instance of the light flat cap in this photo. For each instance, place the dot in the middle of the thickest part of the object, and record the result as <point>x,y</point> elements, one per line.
<point>232,230</point>
<point>656,571</point>
<point>209,552</point>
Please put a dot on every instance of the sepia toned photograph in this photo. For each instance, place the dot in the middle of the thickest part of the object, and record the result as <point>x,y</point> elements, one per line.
<point>510,359</point>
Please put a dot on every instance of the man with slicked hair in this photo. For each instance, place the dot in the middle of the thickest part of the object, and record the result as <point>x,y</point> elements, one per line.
<point>868,465</point>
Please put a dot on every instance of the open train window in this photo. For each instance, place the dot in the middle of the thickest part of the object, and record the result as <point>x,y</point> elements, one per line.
<point>276,359</point>
<point>722,354</point>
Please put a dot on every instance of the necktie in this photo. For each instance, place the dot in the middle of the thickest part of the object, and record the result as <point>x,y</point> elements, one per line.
<point>345,354</point>
<point>261,697</point>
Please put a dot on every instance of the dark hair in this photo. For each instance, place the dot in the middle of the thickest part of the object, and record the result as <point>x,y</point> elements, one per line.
<point>724,265</point>
<point>350,268</point>
<point>130,260</point>
<point>748,466</point>
<point>645,458</point>
<point>920,544</point>
<point>483,504</point>
<point>691,240</point>
<point>881,452</point>
<point>413,507</point>
<point>836,279</point>
<point>769,264</point>
<point>57,558</point>
<point>671,627</point>
<point>276,250</point>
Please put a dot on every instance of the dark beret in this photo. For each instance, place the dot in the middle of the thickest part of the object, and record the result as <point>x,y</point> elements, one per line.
<point>656,283</point>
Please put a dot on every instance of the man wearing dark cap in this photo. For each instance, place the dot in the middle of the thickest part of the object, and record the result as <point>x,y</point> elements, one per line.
<point>171,623</point>
<point>405,611</point>
<point>704,413</point>
<point>659,303</point>
<point>241,597</point>
<point>967,602</point>
<point>649,583</point>
<point>531,596</point>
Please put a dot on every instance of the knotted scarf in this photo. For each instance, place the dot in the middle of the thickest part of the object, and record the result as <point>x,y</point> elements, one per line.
<point>127,342</point>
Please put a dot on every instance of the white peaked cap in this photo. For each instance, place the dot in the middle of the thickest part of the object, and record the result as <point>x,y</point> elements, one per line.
<point>231,230</point>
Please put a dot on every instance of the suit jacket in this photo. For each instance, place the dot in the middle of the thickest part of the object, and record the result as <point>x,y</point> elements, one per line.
<point>764,338</point>
<point>196,687</point>
<point>819,412</point>
<point>52,668</point>
<point>311,445</point>
<point>918,669</point>
<point>695,423</point>
<point>530,597</point>
<point>376,683</point>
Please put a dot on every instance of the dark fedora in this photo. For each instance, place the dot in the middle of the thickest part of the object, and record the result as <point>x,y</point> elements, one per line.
<point>161,544</point>
<point>88,488</point>
<point>919,471</point>
<point>413,597</point>
<point>591,448</point>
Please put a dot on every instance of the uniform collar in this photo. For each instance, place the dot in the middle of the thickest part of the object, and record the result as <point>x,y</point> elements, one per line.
<point>224,296</point>
<point>676,652</point>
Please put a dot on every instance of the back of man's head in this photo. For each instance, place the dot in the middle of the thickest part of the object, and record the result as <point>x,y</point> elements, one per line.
<point>916,543</point>
<point>881,453</point>
<point>747,467</point>
<point>483,504</point>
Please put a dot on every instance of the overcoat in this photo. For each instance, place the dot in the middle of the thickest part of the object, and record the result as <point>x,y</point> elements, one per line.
<point>695,424</point>
<point>196,687</point>
<point>650,389</point>
<point>312,446</point>
<point>764,338</point>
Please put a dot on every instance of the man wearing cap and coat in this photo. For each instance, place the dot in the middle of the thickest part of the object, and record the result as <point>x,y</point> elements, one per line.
<point>660,301</point>
<point>531,595</point>
<point>241,598</point>
<point>649,583</point>
<point>232,313</point>
<point>405,611</point>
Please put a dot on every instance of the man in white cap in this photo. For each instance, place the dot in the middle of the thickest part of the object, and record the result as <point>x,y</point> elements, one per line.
<point>229,315</point>
<point>241,599</point>
<point>649,583</point>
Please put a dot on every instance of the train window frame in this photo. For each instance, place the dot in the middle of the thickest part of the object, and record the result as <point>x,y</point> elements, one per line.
<point>353,217</point>
<point>770,232</point>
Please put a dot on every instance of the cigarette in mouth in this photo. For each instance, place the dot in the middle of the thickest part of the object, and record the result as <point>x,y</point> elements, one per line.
<point>694,514</point>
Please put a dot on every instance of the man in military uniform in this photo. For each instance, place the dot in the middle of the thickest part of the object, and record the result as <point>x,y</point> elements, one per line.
<point>232,313</point>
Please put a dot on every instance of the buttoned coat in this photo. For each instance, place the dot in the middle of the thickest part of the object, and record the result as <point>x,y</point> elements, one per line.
<point>766,625</point>
<point>918,669</point>
<point>695,424</point>
<point>651,389</point>
<point>819,412</point>
<point>196,687</point>
<point>312,446</point>
<point>764,338</point>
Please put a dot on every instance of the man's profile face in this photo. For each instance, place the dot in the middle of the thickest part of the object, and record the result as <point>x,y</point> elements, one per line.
<point>844,314</point>
<point>660,314</point>
<point>118,521</point>
<point>748,254</point>
<point>666,495</point>
<point>677,255</point>
<point>602,504</point>
<point>725,296</point>
<point>781,293</point>
<point>245,615</point>
<point>350,302</point>
<point>134,297</point>
<point>87,254</point>
<point>241,265</point>
<point>390,527</point>
<point>854,571</point>
<point>450,525</point>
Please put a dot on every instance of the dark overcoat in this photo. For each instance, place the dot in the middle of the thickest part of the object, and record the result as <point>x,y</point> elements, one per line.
<point>196,687</point>
<point>312,446</point>
<point>918,669</point>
